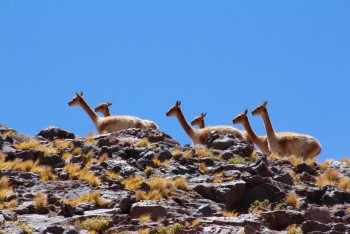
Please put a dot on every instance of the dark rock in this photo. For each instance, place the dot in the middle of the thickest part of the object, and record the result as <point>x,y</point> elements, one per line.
<point>165,155</point>
<point>1,142</point>
<point>320,214</point>
<point>103,142</point>
<point>303,167</point>
<point>86,206</point>
<point>204,210</point>
<point>52,133</point>
<point>9,216</point>
<point>51,161</point>
<point>121,219</point>
<point>340,227</point>
<point>64,175</point>
<point>78,211</point>
<point>261,169</point>
<point>223,143</point>
<point>144,187</point>
<point>228,193</point>
<point>150,207</point>
<point>339,213</point>
<point>312,226</point>
<point>346,218</point>
<point>314,193</point>
<point>335,196</point>
<point>281,219</point>
<point>55,229</point>
<point>227,155</point>
<point>306,177</point>
<point>124,202</point>
<point>284,178</point>
<point>67,210</point>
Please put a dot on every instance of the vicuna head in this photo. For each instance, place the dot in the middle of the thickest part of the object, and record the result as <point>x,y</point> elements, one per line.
<point>259,110</point>
<point>103,107</point>
<point>174,109</point>
<point>76,100</point>
<point>241,118</point>
<point>198,121</point>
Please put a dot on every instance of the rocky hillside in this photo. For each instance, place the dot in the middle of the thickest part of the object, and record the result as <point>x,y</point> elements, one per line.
<point>143,181</point>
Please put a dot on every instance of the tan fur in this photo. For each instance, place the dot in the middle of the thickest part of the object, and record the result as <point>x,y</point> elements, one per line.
<point>288,143</point>
<point>199,120</point>
<point>107,124</point>
<point>200,136</point>
<point>104,109</point>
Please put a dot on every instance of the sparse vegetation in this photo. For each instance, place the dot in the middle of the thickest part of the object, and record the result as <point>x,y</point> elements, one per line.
<point>113,175</point>
<point>236,160</point>
<point>145,218</point>
<point>158,163</point>
<point>35,145</point>
<point>149,170</point>
<point>75,172</point>
<point>328,177</point>
<point>226,213</point>
<point>94,197</point>
<point>202,167</point>
<point>98,224</point>
<point>40,200</point>
<point>259,206</point>
<point>324,166</point>
<point>132,183</point>
<point>292,199</point>
<point>142,143</point>
<point>170,230</point>
<point>294,229</point>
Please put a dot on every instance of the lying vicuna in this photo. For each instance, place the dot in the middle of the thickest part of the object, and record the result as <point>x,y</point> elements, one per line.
<point>199,120</point>
<point>200,136</point>
<point>288,143</point>
<point>104,109</point>
<point>106,124</point>
<point>260,141</point>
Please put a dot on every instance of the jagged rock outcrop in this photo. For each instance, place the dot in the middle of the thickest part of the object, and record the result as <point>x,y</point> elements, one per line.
<point>143,180</point>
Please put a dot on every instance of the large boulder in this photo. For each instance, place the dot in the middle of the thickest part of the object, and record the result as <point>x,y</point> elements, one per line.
<point>52,133</point>
<point>281,219</point>
<point>228,193</point>
<point>320,214</point>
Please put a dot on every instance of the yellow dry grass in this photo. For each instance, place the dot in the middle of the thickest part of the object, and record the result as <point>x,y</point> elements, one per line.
<point>40,200</point>
<point>94,197</point>
<point>193,224</point>
<point>294,160</point>
<point>66,155</point>
<point>76,151</point>
<point>145,218</point>
<point>294,229</point>
<point>103,158</point>
<point>158,163</point>
<point>113,175</point>
<point>274,156</point>
<point>176,152</point>
<point>344,183</point>
<point>97,224</point>
<point>89,138</point>
<point>328,177</point>
<point>132,183</point>
<point>345,161</point>
<point>149,170</point>
<point>144,231</point>
<point>180,183</point>
<point>83,174</point>
<point>324,166</point>
<point>63,144</point>
<point>202,167</point>
<point>152,195</point>
<point>292,199</point>
<point>203,152</point>
<point>35,145</point>
<point>227,213</point>
<point>142,143</point>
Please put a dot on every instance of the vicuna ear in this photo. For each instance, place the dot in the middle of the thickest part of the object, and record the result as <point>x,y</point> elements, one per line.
<point>81,93</point>
<point>246,111</point>
<point>178,103</point>
<point>203,114</point>
<point>265,103</point>
<point>109,103</point>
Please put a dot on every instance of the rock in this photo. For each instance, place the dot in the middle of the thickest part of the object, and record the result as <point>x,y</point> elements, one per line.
<point>204,210</point>
<point>306,177</point>
<point>55,229</point>
<point>312,226</point>
<point>67,210</point>
<point>284,178</point>
<point>335,196</point>
<point>281,219</point>
<point>53,161</point>
<point>85,206</point>
<point>315,193</point>
<point>320,214</point>
<point>224,142</point>
<point>228,193</point>
<point>150,207</point>
<point>9,216</point>
<point>52,133</point>
<point>261,169</point>
<point>303,167</point>
<point>165,155</point>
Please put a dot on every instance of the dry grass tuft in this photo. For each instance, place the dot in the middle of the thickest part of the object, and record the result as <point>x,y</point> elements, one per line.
<point>292,199</point>
<point>149,170</point>
<point>202,167</point>
<point>328,177</point>
<point>236,160</point>
<point>344,183</point>
<point>76,151</point>
<point>324,166</point>
<point>63,144</point>
<point>66,155</point>
<point>35,145</point>
<point>203,152</point>
<point>84,174</point>
<point>98,224</point>
<point>181,183</point>
<point>132,183</point>
<point>89,139</point>
<point>158,163</point>
<point>145,218</point>
<point>226,213</point>
<point>294,229</point>
<point>176,152</point>
<point>103,158</point>
<point>142,143</point>
<point>144,231</point>
<point>345,161</point>
<point>40,200</point>
<point>152,195</point>
<point>192,224</point>
<point>94,197</point>
<point>274,156</point>
<point>113,175</point>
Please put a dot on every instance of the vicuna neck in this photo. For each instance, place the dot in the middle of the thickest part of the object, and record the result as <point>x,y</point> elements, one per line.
<point>107,113</point>
<point>268,126</point>
<point>201,124</point>
<point>92,114</point>
<point>188,129</point>
<point>255,138</point>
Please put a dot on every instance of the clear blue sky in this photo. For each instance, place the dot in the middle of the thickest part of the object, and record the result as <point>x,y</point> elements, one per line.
<point>218,57</point>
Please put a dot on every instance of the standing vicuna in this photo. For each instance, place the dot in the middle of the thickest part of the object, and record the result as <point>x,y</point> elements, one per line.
<point>106,124</point>
<point>288,143</point>
<point>104,109</point>
<point>199,120</point>
<point>200,136</point>
<point>260,141</point>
